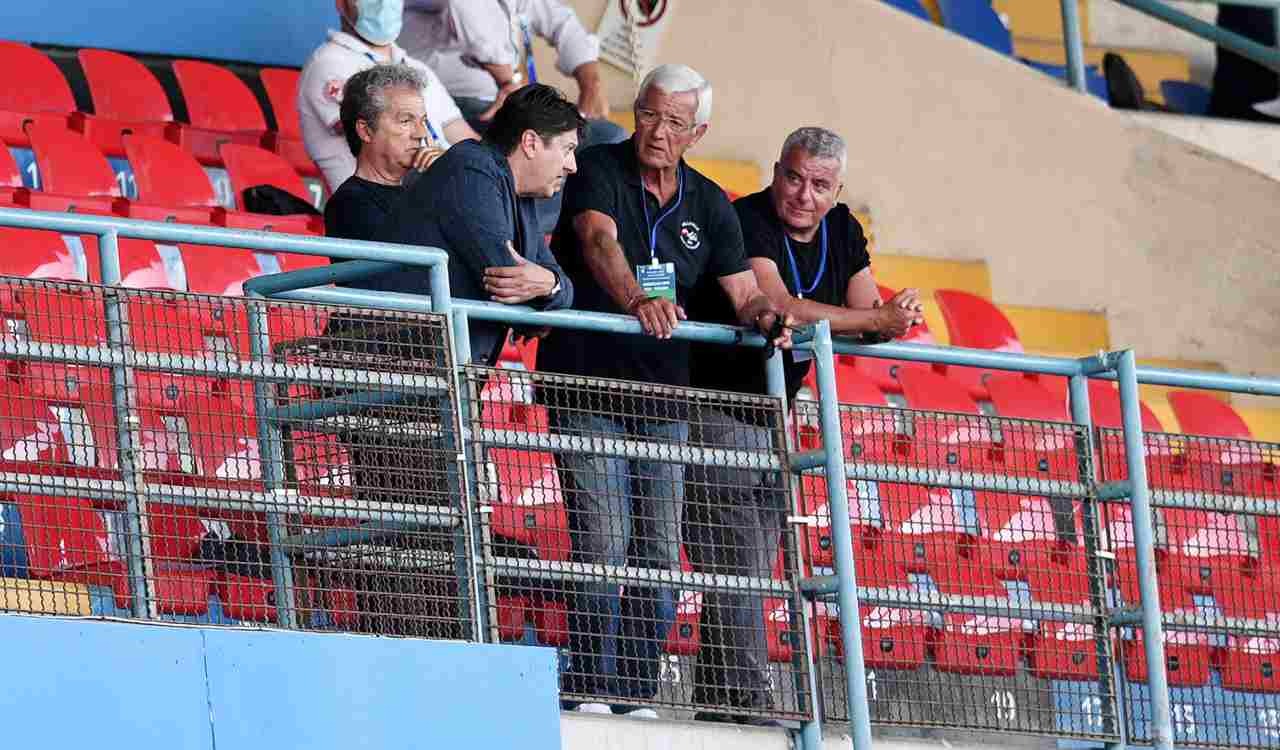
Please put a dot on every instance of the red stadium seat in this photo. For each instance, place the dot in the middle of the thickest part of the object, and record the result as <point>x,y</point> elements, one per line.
<point>1020,541</point>
<point>218,270</point>
<point>1226,459</point>
<point>777,624</point>
<point>34,91</point>
<point>975,323</point>
<point>12,192</point>
<point>37,254</point>
<point>1201,414</point>
<point>959,439</point>
<point>30,434</point>
<point>1064,651</point>
<point>246,598</point>
<point>75,176</point>
<point>1251,664</point>
<point>127,98</point>
<point>551,623</point>
<point>873,435</point>
<point>530,507</point>
<point>884,372</point>
<point>892,637</point>
<point>511,617</point>
<point>1028,448</point>
<point>873,566</point>
<point>924,532</point>
<point>249,166</point>
<point>221,107</point>
<point>168,176</point>
<point>286,140</point>
<point>1188,656</point>
<point>685,636</point>
<point>978,644</point>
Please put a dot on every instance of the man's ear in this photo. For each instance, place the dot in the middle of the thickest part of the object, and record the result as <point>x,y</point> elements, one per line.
<point>529,143</point>
<point>698,132</point>
<point>363,131</point>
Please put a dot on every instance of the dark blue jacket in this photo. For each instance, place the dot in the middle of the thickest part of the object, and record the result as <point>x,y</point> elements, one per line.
<point>466,203</point>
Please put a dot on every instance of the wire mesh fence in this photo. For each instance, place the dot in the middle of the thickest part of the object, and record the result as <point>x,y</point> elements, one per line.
<point>1217,557</point>
<point>980,608</point>
<point>641,530</point>
<point>136,485</point>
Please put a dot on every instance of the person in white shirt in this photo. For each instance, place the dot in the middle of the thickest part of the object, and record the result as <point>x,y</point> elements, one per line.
<point>367,38</point>
<point>482,50</point>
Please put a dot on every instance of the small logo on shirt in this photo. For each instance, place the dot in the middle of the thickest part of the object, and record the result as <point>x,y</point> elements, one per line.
<point>690,235</point>
<point>333,89</point>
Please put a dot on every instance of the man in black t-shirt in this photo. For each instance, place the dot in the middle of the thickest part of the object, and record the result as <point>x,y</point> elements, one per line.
<point>809,255</point>
<point>638,232</point>
<point>385,123</point>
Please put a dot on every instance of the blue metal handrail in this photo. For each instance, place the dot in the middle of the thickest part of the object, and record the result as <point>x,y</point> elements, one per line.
<point>364,258</point>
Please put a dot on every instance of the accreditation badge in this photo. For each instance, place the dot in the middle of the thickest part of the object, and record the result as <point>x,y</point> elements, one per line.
<point>657,280</point>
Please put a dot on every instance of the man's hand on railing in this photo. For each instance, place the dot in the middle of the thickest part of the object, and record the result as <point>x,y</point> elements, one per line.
<point>895,318</point>
<point>658,316</point>
<point>514,285</point>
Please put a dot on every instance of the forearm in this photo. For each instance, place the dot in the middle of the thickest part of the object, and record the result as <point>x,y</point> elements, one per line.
<point>844,321</point>
<point>588,76</point>
<point>501,74</point>
<point>608,265</point>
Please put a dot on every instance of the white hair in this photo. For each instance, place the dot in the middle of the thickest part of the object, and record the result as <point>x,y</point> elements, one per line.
<point>819,142</point>
<point>680,79</point>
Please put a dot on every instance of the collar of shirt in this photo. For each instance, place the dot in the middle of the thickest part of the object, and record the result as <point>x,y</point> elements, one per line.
<point>358,45</point>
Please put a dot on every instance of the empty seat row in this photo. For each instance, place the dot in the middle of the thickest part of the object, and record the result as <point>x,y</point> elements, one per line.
<point>127,99</point>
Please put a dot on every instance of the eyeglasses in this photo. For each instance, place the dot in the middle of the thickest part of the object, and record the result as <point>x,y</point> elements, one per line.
<point>649,118</point>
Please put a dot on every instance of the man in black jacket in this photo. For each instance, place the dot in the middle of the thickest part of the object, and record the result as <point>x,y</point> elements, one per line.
<point>476,202</point>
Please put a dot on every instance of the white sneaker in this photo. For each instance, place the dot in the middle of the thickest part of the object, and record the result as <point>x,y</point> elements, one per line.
<point>593,708</point>
<point>642,713</point>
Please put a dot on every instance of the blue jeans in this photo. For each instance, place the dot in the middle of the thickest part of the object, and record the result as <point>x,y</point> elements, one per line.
<point>620,512</point>
<point>597,131</point>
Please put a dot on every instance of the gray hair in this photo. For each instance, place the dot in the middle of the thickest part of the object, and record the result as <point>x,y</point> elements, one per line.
<point>680,79</point>
<point>364,97</point>
<point>820,143</point>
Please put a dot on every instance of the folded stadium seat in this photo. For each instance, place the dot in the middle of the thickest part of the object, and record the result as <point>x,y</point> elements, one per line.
<point>34,92</point>
<point>1251,664</point>
<point>281,85</point>
<point>1202,414</point>
<point>61,315</point>
<point>74,174</point>
<point>510,616</point>
<point>1222,455</point>
<point>892,637</point>
<point>249,166</point>
<point>1020,541</point>
<point>958,438</point>
<point>37,254</point>
<point>1188,656</point>
<point>978,644</point>
<point>31,436</point>
<point>873,567</point>
<point>169,177</point>
<point>127,98</point>
<point>685,637</point>
<point>69,540</point>
<point>884,372</point>
<point>221,107</point>
<point>926,531</point>
<point>875,434</point>
<point>529,507</point>
<point>505,405</point>
<point>778,633</point>
<point>550,621</point>
<point>1042,450</point>
<point>245,597</point>
<point>219,270</point>
<point>975,323</point>
<point>1063,651</point>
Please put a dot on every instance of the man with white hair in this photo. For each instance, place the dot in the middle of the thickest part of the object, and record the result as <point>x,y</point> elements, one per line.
<point>367,38</point>
<point>809,254</point>
<point>640,230</point>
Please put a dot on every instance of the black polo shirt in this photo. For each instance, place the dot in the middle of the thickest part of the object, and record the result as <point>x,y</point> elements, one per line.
<point>699,234</point>
<point>738,369</point>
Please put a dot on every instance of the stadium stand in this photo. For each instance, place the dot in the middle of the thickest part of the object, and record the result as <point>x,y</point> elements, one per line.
<point>221,108</point>
<point>37,92</point>
<point>127,98</point>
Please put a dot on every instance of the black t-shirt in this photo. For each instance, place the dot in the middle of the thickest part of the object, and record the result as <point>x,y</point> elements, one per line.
<point>739,369</point>
<point>698,232</point>
<point>357,209</point>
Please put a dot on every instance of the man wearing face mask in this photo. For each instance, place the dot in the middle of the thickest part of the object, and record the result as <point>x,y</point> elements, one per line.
<point>809,255</point>
<point>367,38</point>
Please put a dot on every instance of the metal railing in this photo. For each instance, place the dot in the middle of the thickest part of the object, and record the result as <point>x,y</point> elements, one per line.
<point>410,418</point>
<point>1073,40</point>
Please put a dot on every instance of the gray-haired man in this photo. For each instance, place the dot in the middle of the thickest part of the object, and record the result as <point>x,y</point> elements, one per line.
<point>809,255</point>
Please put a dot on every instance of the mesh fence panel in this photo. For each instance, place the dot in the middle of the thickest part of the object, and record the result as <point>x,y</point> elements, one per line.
<point>618,516</point>
<point>1218,569</point>
<point>980,608</point>
<point>137,486</point>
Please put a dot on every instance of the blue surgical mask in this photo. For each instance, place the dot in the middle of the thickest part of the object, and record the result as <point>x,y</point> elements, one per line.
<point>379,21</point>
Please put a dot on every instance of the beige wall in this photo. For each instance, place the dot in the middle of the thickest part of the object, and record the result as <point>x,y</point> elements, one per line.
<point>960,153</point>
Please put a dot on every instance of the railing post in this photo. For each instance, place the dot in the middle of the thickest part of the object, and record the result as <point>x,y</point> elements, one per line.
<point>138,543</point>
<point>1112,711</point>
<point>810,736</point>
<point>1144,547</point>
<point>842,537</point>
<point>271,456</point>
<point>1074,44</point>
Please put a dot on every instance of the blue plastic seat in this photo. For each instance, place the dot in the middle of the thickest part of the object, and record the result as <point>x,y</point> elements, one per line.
<point>1186,97</point>
<point>911,6</point>
<point>976,20</point>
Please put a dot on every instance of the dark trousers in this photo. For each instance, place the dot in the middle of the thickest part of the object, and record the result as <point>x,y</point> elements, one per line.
<point>733,526</point>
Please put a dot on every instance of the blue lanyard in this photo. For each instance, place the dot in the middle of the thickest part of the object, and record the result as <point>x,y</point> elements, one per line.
<point>795,270</point>
<point>528,52</point>
<point>653,229</point>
